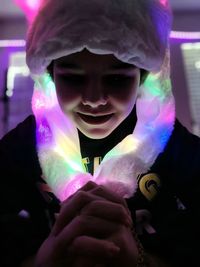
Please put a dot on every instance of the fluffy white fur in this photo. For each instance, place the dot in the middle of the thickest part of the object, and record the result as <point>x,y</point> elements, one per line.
<point>134,31</point>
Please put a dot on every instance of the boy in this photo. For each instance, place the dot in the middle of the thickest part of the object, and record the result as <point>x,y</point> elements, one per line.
<point>103,132</point>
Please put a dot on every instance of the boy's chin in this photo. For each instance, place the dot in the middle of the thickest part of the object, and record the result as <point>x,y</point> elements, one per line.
<point>96,133</point>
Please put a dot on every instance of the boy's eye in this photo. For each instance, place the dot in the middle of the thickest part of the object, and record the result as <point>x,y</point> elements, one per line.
<point>117,80</point>
<point>74,79</point>
<point>112,80</point>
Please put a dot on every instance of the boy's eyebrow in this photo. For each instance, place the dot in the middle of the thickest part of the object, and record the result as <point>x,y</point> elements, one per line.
<point>123,66</point>
<point>68,66</point>
<point>73,66</point>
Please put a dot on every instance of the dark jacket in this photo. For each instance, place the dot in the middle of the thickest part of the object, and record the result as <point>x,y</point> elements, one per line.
<point>165,208</point>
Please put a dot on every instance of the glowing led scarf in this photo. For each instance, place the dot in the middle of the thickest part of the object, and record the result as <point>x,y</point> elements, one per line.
<point>59,149</point>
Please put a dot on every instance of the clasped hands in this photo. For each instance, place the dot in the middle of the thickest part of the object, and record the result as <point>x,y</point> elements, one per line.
<point>93,229</point>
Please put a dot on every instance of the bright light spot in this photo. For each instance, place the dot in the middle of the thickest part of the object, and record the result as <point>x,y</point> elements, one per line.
<point>34,4</point>
<point>9,93</point>
<point>17,66</point>
<point>185,35</point>
<point>197,65</point>
<point>164,2</point>
<point>24,214</point>
<point>12,43</point>
<point>29,7</point>
<point>189,46</point>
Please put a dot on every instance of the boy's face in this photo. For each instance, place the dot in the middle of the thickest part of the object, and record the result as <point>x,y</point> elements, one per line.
<point>96,91</point>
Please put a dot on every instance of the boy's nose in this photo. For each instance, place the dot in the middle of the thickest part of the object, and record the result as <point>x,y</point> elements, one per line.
<point>93,94</point>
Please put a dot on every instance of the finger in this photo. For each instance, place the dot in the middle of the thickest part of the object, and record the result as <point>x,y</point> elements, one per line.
<point>71,208</point>
<point>88,186</point>
<point>87,262</point>
<point>85,225</point>
<point>96,249</point>
<point>108,210</point>
<point>83,262</point>
<point>102,191</point>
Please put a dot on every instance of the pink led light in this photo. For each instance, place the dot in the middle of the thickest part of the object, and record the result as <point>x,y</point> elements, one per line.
<point>34,4</point>
<point>12,43</point>
<point>185,35</point>
<point>29,7</point>
<point>164,3</point>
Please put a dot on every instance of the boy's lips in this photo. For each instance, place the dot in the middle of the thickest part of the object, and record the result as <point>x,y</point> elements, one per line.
<point>94,119</point>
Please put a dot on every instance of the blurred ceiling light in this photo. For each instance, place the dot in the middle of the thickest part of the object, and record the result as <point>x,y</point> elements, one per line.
<point>185,35</point>
<point>17,66</point>
<point>189,46</point>
<point>12,43</point>
<point>197,65</point>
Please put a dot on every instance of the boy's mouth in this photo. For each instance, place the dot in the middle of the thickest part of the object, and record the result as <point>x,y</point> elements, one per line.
<point>91,119</point>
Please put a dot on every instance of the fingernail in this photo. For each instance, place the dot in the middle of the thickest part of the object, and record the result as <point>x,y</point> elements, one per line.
<point>114,250</point>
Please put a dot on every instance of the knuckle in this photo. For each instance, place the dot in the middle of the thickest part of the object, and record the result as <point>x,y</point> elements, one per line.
<point>91,208</point>
<point>78,196</point>
<point>100,188</point>
<point>122,211</point>
<point>75,244</point>
<point>82,221</point>
<point>86,210</point>
<point>91,183</point>
<point>82,196</point>
<point>79,241</point>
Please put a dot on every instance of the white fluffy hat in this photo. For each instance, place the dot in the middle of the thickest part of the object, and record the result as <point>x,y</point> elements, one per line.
<point>136,32</point>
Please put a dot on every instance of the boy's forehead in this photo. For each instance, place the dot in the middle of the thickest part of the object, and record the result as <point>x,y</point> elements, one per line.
<point>85,59</point>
